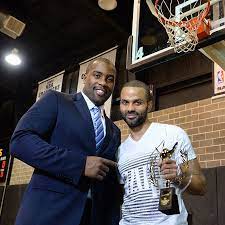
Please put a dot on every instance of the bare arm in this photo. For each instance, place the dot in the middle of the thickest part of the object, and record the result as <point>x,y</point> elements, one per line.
<point>191,175</point>
<point>197,185</point>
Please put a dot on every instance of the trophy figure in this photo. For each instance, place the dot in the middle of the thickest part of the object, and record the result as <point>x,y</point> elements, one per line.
<point>168,201</point>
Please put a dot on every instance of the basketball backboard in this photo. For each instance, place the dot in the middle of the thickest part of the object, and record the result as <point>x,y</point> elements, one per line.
<point>148,43</point>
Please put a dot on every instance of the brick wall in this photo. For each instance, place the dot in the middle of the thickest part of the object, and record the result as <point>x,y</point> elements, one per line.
<point>204,121</point>
<point>21,173</point>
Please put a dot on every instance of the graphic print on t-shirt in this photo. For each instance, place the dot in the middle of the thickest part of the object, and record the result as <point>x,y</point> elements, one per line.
<point>141,196</point>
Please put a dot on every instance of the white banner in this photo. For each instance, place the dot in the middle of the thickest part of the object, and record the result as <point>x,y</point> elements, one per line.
<point>109,54</point>
<point>54,82</point>
<point>219,79</point>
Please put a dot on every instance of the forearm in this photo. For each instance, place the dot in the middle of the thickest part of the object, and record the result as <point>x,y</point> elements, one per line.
<point>192,180</point>
<point>197,185</point>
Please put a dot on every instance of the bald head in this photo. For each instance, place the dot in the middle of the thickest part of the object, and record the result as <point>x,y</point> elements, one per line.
<point>98,60</point>
<point>99,80</point>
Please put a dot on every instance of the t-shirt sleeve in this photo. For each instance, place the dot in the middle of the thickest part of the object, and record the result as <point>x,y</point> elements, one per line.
<point>185,146</point>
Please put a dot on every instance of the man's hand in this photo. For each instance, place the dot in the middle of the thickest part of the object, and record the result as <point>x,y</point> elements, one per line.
<point>169,169</point>
<point>97,167</point>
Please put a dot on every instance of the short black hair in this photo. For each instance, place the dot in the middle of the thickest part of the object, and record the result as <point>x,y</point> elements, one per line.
<point>139,84</point>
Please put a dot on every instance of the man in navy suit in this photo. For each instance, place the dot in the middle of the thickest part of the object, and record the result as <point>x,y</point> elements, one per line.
<point>56,136</point>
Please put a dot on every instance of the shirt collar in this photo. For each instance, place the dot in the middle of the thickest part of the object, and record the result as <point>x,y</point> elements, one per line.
<point>90,104</point>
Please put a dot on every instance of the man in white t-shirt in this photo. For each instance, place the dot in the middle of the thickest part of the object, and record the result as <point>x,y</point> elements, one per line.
<point>146,140</point>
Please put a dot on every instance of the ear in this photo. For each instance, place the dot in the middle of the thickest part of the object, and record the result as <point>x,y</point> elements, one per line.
<point>149,106</point>
<point>83,77</point>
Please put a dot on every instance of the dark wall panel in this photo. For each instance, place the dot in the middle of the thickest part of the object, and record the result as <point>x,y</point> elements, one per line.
<point>221,194</point>
<point>203,209</point>
<point>13,197</point>
<point>183,68</point>
<point>1,192</point>
<point>184,95</point>
<point>6,118</point>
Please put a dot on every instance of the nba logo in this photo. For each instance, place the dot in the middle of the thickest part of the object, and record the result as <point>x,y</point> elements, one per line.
<point>220,77</point>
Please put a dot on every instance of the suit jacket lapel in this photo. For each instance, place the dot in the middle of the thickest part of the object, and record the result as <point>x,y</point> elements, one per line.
<point>84,112</point>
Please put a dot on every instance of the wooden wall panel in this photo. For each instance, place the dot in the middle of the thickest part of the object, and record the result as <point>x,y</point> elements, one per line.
<point>13,197</point>
<point>1,192</point>
<point>185,95</point>
<point>221,194</point>
<point>203,209</point>
<point>183,68</point>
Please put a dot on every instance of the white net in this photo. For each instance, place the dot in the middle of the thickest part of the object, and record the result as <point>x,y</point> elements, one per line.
<point>182,19</point>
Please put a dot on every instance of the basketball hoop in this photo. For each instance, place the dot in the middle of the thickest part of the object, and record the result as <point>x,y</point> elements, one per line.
<point>184,22</point>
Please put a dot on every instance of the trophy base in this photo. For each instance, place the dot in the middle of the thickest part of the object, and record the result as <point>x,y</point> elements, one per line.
<point>168,202</point>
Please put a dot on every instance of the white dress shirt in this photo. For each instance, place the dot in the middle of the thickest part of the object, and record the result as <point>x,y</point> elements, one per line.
<point>91,105</point>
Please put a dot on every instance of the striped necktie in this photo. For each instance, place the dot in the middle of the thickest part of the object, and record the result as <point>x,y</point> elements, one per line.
<point>99,130</point>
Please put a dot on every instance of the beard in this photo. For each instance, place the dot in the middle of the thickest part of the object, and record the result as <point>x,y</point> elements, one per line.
<point>139,120</point>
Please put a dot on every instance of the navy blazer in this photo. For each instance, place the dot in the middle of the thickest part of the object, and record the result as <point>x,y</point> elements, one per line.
<point>55,136</point>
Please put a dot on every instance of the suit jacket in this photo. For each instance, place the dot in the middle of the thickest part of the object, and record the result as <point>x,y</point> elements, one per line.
<point>55,136</point>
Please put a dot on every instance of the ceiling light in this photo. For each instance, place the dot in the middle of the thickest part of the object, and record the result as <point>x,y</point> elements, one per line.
<point>13,58</point>
<point>107,4</point>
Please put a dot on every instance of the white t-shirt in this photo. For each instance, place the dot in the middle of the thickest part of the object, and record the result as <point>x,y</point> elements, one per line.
<point>141,197</point>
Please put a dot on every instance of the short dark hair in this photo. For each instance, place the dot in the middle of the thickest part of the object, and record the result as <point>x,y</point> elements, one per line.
<point>139,84</point>
<point>100,59</point>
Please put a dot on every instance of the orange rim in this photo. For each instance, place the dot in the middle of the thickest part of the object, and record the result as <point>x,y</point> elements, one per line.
<point>164,20</point>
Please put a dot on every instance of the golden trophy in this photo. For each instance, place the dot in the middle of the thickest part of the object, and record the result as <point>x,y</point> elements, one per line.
<point>168,201</point>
